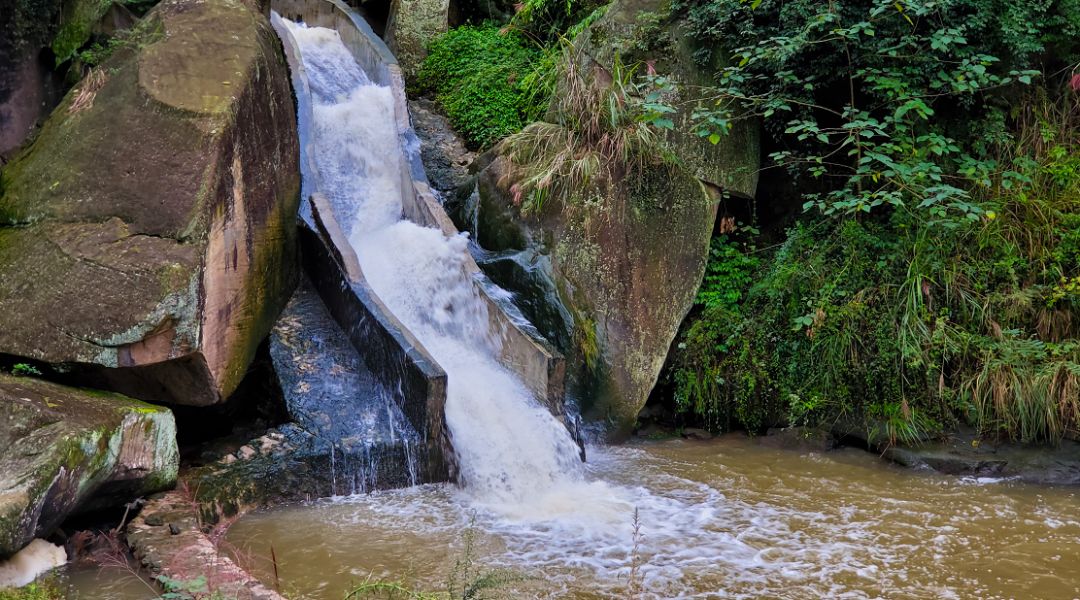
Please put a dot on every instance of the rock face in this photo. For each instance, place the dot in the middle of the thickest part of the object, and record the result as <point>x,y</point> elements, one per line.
<point>411,26</point>
<point>36,37</point>
<point>625,275</point>
<point>26,86</point>
<point>445,157</point>
<point>147,237</point>
<point>63,449</point>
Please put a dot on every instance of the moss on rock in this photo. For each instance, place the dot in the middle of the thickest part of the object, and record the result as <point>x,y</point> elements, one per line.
<point>64,449</point>
<point>151,225</point>
<point>628,265</point>
<point>77,22</point>
<point>411,27</point>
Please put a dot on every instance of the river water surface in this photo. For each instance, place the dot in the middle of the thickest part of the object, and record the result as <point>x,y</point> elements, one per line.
<point>723,519</point>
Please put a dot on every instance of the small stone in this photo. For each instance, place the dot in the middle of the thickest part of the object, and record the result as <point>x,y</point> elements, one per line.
<point>154,520</point>
<point>694,433</point>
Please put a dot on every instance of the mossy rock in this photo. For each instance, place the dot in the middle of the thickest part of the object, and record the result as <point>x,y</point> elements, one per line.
<point>77,18</point>
<point>64,449</point>
<point>627,270</point>
<point>147,236</point>
<point>647,31</point>
<point>411,27</point>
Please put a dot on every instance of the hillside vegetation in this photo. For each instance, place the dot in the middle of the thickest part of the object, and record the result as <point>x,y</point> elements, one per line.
<point>913,259</point>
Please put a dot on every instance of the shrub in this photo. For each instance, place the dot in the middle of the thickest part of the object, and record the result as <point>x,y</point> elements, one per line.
<point>936,273</point>
<point>904,324</point>
<point>888,104</point>
<point>24,369</point>
<point>476,73</point>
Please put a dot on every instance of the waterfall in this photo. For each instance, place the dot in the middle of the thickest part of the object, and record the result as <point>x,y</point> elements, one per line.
<point>510,449</point>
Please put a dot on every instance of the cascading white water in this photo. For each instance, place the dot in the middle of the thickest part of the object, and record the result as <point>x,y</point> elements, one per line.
<point>512,452</point>
<point>730,520</point>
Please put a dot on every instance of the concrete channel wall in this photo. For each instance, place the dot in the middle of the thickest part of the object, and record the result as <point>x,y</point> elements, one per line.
<point>388,348</point>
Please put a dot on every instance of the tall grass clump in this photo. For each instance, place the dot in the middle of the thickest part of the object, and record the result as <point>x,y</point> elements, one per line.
<point>593,139</point>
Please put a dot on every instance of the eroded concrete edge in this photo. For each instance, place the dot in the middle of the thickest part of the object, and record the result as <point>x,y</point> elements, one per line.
<point>169,540</point>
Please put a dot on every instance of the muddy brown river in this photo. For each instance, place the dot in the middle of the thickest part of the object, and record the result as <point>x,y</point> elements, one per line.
<point>728,518</point>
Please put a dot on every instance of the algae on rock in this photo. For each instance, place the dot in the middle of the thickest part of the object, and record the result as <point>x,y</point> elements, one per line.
<point>64,449</point>
<point>147,236</point>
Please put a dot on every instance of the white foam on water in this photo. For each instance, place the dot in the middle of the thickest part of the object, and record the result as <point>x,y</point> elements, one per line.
<point>690,535</point>
<point>512,452</point>
<point>354,142</point>
<point>27,564</point>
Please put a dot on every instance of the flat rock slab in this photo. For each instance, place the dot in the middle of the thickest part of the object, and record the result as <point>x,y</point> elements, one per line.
<point>147,236</point>
<point>168,537</point>
<point>200,73</point>
<point>64,449</point>
<point>966,456</point>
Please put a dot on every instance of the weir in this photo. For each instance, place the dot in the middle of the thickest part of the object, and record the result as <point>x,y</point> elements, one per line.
<point>394,301</point>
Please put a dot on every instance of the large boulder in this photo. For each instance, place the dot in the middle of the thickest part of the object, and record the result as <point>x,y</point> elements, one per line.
<point>147,236</point>
<point>626,274</point>
<point>411,26</point>
<point>63,449</point>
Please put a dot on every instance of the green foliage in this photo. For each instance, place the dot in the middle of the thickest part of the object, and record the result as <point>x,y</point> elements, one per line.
<point>904,324</point>
<point>594,141</point>
<point>46,589</point>
<point>881,103</point>
<point>183,589</point>
<point>937,276</point>
<point>25,370</point>
<point>77,23</point>
<point>492,80</point>
<point>550,20</point>
<point>540,83</point>
<point>727,276</point>
<point>146,31</point>
<point>477,73</point>
<point>79,17</point>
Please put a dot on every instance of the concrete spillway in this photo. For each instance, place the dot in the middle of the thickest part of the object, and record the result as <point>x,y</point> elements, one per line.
<point>398,282</point>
